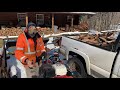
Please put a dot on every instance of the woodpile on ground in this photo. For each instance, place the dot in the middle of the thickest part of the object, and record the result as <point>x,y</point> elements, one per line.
<point>47,30</point>
<point>82,27</point>
<point>44,30</point>
<point>17,31</point>
<point>10,31</point>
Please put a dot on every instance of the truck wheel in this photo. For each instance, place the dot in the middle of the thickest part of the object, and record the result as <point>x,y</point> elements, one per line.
<point>75,64</point>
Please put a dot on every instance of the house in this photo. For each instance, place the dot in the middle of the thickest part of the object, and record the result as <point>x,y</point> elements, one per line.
<point>40,18</point>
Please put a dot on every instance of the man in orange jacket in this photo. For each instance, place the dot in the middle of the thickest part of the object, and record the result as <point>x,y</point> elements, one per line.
<point>29,48</point>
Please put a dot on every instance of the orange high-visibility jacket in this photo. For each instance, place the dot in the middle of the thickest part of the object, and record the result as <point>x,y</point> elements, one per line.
<point>25,48</point>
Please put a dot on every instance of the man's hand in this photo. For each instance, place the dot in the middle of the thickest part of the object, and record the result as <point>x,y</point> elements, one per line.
<point>29,63</point>
<point>42,56</point>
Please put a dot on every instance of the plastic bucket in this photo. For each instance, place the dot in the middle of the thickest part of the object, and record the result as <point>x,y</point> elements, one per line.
<point>55,28</point>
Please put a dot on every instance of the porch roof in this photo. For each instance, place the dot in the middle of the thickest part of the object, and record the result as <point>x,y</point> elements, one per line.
<point>85,13</point>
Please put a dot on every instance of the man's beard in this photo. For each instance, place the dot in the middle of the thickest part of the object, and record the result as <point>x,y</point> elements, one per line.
<point>32,35</point>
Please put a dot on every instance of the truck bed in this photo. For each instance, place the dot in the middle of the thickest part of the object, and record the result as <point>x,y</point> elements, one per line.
<point>93,42</point>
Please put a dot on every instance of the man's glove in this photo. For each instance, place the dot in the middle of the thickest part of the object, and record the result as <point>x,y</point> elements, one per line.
<point>42,57</point>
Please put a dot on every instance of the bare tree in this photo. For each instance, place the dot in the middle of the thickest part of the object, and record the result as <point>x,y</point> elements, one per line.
<point>104,20</point>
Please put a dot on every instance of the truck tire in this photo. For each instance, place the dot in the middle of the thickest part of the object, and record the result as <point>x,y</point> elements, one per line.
<point>78,66</point>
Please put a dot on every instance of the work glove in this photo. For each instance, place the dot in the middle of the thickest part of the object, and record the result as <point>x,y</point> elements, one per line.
<point>42,58</point>
<point>44,55</point>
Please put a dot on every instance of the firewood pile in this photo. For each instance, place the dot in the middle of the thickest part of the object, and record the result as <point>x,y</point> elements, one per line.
<point>17,31</point>
<point>90,39</point>
<point>62,29</point>
<point>44,30</point>
<point>82,27</point>
<point>10,31</point>
<point>98,40</point>
<point>47,30</point>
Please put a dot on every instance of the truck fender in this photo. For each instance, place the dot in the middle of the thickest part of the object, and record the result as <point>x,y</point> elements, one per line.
<point>82,54</point>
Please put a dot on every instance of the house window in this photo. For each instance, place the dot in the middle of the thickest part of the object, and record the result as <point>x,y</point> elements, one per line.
<point>40,19</point>
<point>21,19</point>
<point>69,17</point>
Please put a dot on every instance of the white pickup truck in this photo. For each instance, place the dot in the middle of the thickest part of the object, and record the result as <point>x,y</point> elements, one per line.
<point>89,59</point>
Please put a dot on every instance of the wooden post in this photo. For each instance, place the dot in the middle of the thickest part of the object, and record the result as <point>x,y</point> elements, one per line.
<point>72,22</point>
<point>53,22</point>
<point>26,19</point>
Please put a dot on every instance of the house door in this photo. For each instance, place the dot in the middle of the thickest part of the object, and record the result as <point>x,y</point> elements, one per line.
<point>21,19</point>
<point>40,19</point>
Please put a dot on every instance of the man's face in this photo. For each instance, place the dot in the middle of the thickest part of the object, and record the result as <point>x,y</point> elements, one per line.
<point>32,31</point>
